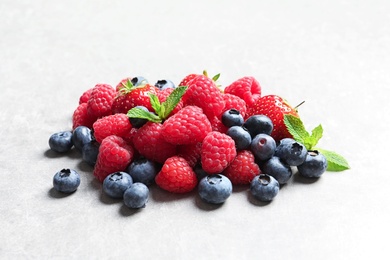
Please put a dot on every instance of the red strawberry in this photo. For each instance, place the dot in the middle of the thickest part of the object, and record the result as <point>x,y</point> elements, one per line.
<point>100,100</point>
<point>204,93</point>
<point>243,168</point>
<point>149,142</point>
<point>130,96</point>
<point>176,176</point>
<point>218,151</point>
<point>114,155</point>
<point>81,118</point>
<point>233,101</point>
<point>190,152</point>
<point>118,124</point>
<point>85,96</point>
<point>247,88</point>
<point>187,126</point>
<point>275,108</point>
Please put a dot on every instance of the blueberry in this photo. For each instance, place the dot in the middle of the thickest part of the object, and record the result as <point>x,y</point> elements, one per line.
<point>259,124</point>
<point>264,187</point>
<point>314,165</point>
<point>291,151</point>
<point>115,184</point>
<point>81,136</point>
<point>164,84</point>
<point>136,196</point>
<point>66,180</point>
<point>90,152</point>
<point>232,117</point>
<point>138,122</point>
<point>61,142</point>
<point>136,81</point>
<point>277,169</point>
<point>200,173</point>
<point>241,137</point>
<point>215,188</point>
<point>143,170</point>
<point>263,147</point>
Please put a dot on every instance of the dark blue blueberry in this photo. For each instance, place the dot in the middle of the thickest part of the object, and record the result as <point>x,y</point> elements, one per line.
<point>143,170</point>
<point>264,187</point>
<point>200,173</point>
<point>61,142</point>
<point>314,165</point>
<point>136,81</point>
<point>277,169</point>
<point>215,188</point>
<point>291,151</point>
<point>136,196</point>
<point>66,180</point>
<point>259,124</point>
<point>263,147</point>
<point>232,117</point>
<point>164,84</point>
<point>115,184</point>
<point>81,136</point>
<point>138,122</point>
<point>90,152</point>
<point>241,137</point>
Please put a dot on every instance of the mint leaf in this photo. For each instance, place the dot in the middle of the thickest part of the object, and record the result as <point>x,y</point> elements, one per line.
<point>155,102</point>
<point>336,162</point>
<point>316,135</point>
<point>171,102</point>
<point>296,128</point>
<point>136,112</point>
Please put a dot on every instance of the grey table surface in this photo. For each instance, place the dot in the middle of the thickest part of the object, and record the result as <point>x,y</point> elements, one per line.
<point>332,54</point>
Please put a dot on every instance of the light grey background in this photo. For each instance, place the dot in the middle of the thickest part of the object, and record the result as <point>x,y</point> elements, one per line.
<point>332,54</point>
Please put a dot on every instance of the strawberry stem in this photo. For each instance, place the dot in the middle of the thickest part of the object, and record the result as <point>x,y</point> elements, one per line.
<point>296,107</point>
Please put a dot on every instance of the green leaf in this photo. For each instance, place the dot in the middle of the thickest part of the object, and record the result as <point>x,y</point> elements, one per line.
<point>155,102</point>
<point>136,112</point>
<point>336,162</point>
<point>296,128</point>
<point>216,77</point>
<point>171,102</point>
<point>316,135</point>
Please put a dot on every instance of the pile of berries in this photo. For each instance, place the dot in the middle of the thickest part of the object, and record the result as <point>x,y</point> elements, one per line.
<point>193,135</point>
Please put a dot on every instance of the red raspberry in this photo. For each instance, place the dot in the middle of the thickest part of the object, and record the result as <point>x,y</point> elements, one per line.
<point>85,96</point>
<point>187,126</point>
<point>218,151</point>
<point>118,124</point>
<point>233,101</point>
<point>81,118</point>
<point>190,152</point>
<point>243,168</point>
<point>149,142</point>
<point>176,176</point>
<point>247,88</point>
<point>114,155</point>
<point>203,92</point>
<point>187,79</point>
<point>217,125</point>
<point>163,95</point>
<point>100,101</point>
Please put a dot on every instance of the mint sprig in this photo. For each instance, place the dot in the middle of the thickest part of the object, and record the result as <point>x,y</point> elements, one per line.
<point>296,128</point>
<point>162,110</point>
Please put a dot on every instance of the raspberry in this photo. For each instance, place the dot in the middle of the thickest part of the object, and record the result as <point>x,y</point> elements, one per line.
<point>81,118</point>
<point>187,79</point>
<point>242,169</point>
<point>187,126</point>
<point>218,151</point>
<point>190,152</point>
<point>114,155</point>
<point>203,92</point>
<point>118,124</point>
<point>217,125</point>
<point>247,88</point>
<point>85,96</point>
<point>149,142</point>
<point>176,176</point>
<point>100,101</point>
<point>232,101</point>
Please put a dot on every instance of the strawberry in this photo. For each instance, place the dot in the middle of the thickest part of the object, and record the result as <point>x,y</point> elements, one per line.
<point>187,126</point>
<point>275,108</point>
<point>247,88</point>
<point>242,169</point>
<point>176,176</point>
<point>130,96</point>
